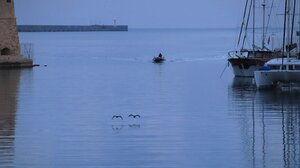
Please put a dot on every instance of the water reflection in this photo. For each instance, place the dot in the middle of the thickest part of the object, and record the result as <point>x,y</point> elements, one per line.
<point>9,83</point>
<point>134,126</point>
<point>269,122</point>
<point>118,128</point>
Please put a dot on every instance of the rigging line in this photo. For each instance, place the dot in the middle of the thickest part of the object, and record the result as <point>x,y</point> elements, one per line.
<point>246,28</point>
<point>227,65</point>
<point>243,23</point>
<point>268,22</point>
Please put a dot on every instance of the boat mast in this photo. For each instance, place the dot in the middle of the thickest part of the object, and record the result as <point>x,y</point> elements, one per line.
<point>253,38</point>
<point>298,33</point>
<point>264,25</point>
<point>284,32</point>
<point>288,29</point>
<point>243,22</point>
<point>247,24</point>
<point>293,25</point>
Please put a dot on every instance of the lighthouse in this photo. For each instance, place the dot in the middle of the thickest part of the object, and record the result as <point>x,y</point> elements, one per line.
<point>10,55</point>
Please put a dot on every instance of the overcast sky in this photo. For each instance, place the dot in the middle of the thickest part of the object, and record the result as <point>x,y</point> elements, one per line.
<point>135,13</point>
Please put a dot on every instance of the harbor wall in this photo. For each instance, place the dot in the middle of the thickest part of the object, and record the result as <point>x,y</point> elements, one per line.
<point>71,28</point>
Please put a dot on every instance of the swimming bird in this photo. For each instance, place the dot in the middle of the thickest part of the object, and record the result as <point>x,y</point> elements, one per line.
<point>134,116</point>
<point>117,116</point>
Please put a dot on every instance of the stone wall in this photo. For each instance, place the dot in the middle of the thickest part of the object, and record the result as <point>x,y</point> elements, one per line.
<point>10,56</point>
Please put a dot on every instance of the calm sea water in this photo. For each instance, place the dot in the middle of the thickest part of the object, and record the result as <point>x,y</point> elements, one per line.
<point>60,115</point>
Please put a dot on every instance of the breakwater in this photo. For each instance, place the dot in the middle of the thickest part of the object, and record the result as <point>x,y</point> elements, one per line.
<point>71,28</point>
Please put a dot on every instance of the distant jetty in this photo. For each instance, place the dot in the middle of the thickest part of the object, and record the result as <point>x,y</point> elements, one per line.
<point>71,28</point>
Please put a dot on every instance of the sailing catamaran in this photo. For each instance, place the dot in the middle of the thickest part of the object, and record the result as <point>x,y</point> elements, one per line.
<point>245,61</point>
<point>287,68</point>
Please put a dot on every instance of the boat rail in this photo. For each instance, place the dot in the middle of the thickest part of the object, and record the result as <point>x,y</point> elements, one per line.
<point>236,54</point>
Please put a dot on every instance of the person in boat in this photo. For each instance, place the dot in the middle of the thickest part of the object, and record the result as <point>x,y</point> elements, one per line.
<point>160,55</point>
<point>159,58</point>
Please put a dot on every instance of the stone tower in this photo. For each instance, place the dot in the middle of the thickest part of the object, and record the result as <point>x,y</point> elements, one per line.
<point>10,52</point>
<point>9,39</point>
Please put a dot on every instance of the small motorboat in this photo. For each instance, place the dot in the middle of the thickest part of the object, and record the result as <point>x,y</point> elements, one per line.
<point>158,59</point>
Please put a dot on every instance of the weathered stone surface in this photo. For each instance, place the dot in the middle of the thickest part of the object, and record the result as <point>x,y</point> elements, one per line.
<point>9,36</point>
<point>9,39</point>
<point>7,9</point>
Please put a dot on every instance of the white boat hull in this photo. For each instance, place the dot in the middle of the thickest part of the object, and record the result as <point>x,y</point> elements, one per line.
<point>245,67</point>
<point>242,72</point>
<point>265,79</point>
